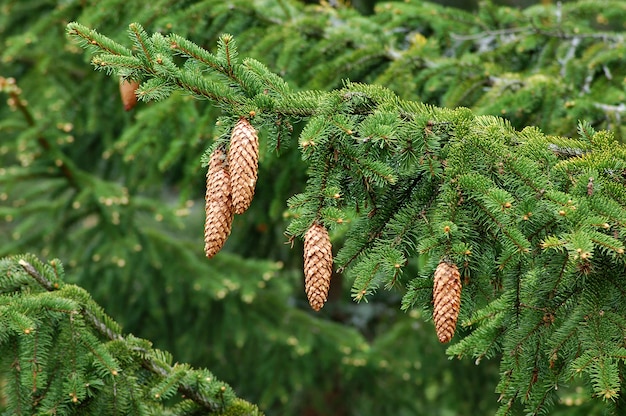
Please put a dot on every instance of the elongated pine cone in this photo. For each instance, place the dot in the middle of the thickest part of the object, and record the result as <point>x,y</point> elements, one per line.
<point>127,93</point>
<point>218,206</point>
<point>318,265</point>
<point>447,300</point>
<point>243,160</point>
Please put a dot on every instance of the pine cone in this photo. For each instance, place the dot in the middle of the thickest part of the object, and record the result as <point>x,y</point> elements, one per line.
<point>218,207</point>
<point>447,300</point>
<point>243,160</point>
<point>318,265</point>
<point>127,92</point>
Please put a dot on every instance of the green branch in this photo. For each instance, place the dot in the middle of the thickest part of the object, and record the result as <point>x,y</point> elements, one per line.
<point>191,384</point>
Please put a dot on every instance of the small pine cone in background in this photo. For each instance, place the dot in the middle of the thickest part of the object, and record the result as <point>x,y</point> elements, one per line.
<point>218,206</point>
<point>127,92</point>
<point>318,265</point>
<point>243,160</point>
<point>446,299</point>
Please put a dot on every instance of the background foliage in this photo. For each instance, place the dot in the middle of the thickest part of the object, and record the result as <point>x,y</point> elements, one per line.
<point>117,196</point>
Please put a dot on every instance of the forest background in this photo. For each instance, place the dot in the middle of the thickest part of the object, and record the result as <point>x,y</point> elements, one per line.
<point>72,160</point>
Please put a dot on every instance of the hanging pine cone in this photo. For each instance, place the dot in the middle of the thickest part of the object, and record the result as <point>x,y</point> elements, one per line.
<point>318,265</point>
<point>127,92</point>
<point>243,160</point>
<point>218,206</point>
<point>447,300</point>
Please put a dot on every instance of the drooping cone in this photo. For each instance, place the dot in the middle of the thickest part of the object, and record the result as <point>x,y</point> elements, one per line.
<point>218,204</point>
<point>446,299</point>
<point>127,92</point>
<point>318,265</point>
<point>243,161</point>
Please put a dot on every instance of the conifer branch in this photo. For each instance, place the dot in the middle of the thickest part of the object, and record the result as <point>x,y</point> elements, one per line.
<point>226,42</point>
<point>498,61</point>
<point>383,221</point>
<point>155,366</point>
<point>191,50</point>
<point>91,38</point>
<point>438,182</point>
<point>603,36</point>
<point>45,283</point>
<point>490,33</point>
<point>139,35</point>
<point>565,151</point>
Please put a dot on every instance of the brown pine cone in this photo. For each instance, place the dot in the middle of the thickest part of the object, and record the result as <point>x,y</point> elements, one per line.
<point>127,92</point>
<point>318,265</point>
<point>243,161</point>
<point>218,206</point>
<point>447,300</point>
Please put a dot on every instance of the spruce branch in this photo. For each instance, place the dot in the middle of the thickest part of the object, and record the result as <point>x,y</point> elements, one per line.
<point>90,38</point>
<point>507,70</point>
<point>188,49</point>
<point>227,47</point>
<point>487,36</point>
<point>185,378</point>
<point>140,38</point>
<point>490,34</point>
<point>45,283</point>
<point>438,183</point>
<point>606,37</point>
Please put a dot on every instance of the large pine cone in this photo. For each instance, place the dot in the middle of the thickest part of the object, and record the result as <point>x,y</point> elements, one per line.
<point>243,161</point>
<point>447,300</point>
<point>218,206</point>
<point>318,265</point>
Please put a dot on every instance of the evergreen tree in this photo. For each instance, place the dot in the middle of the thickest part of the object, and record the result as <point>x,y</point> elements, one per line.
<point>531,222</point>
